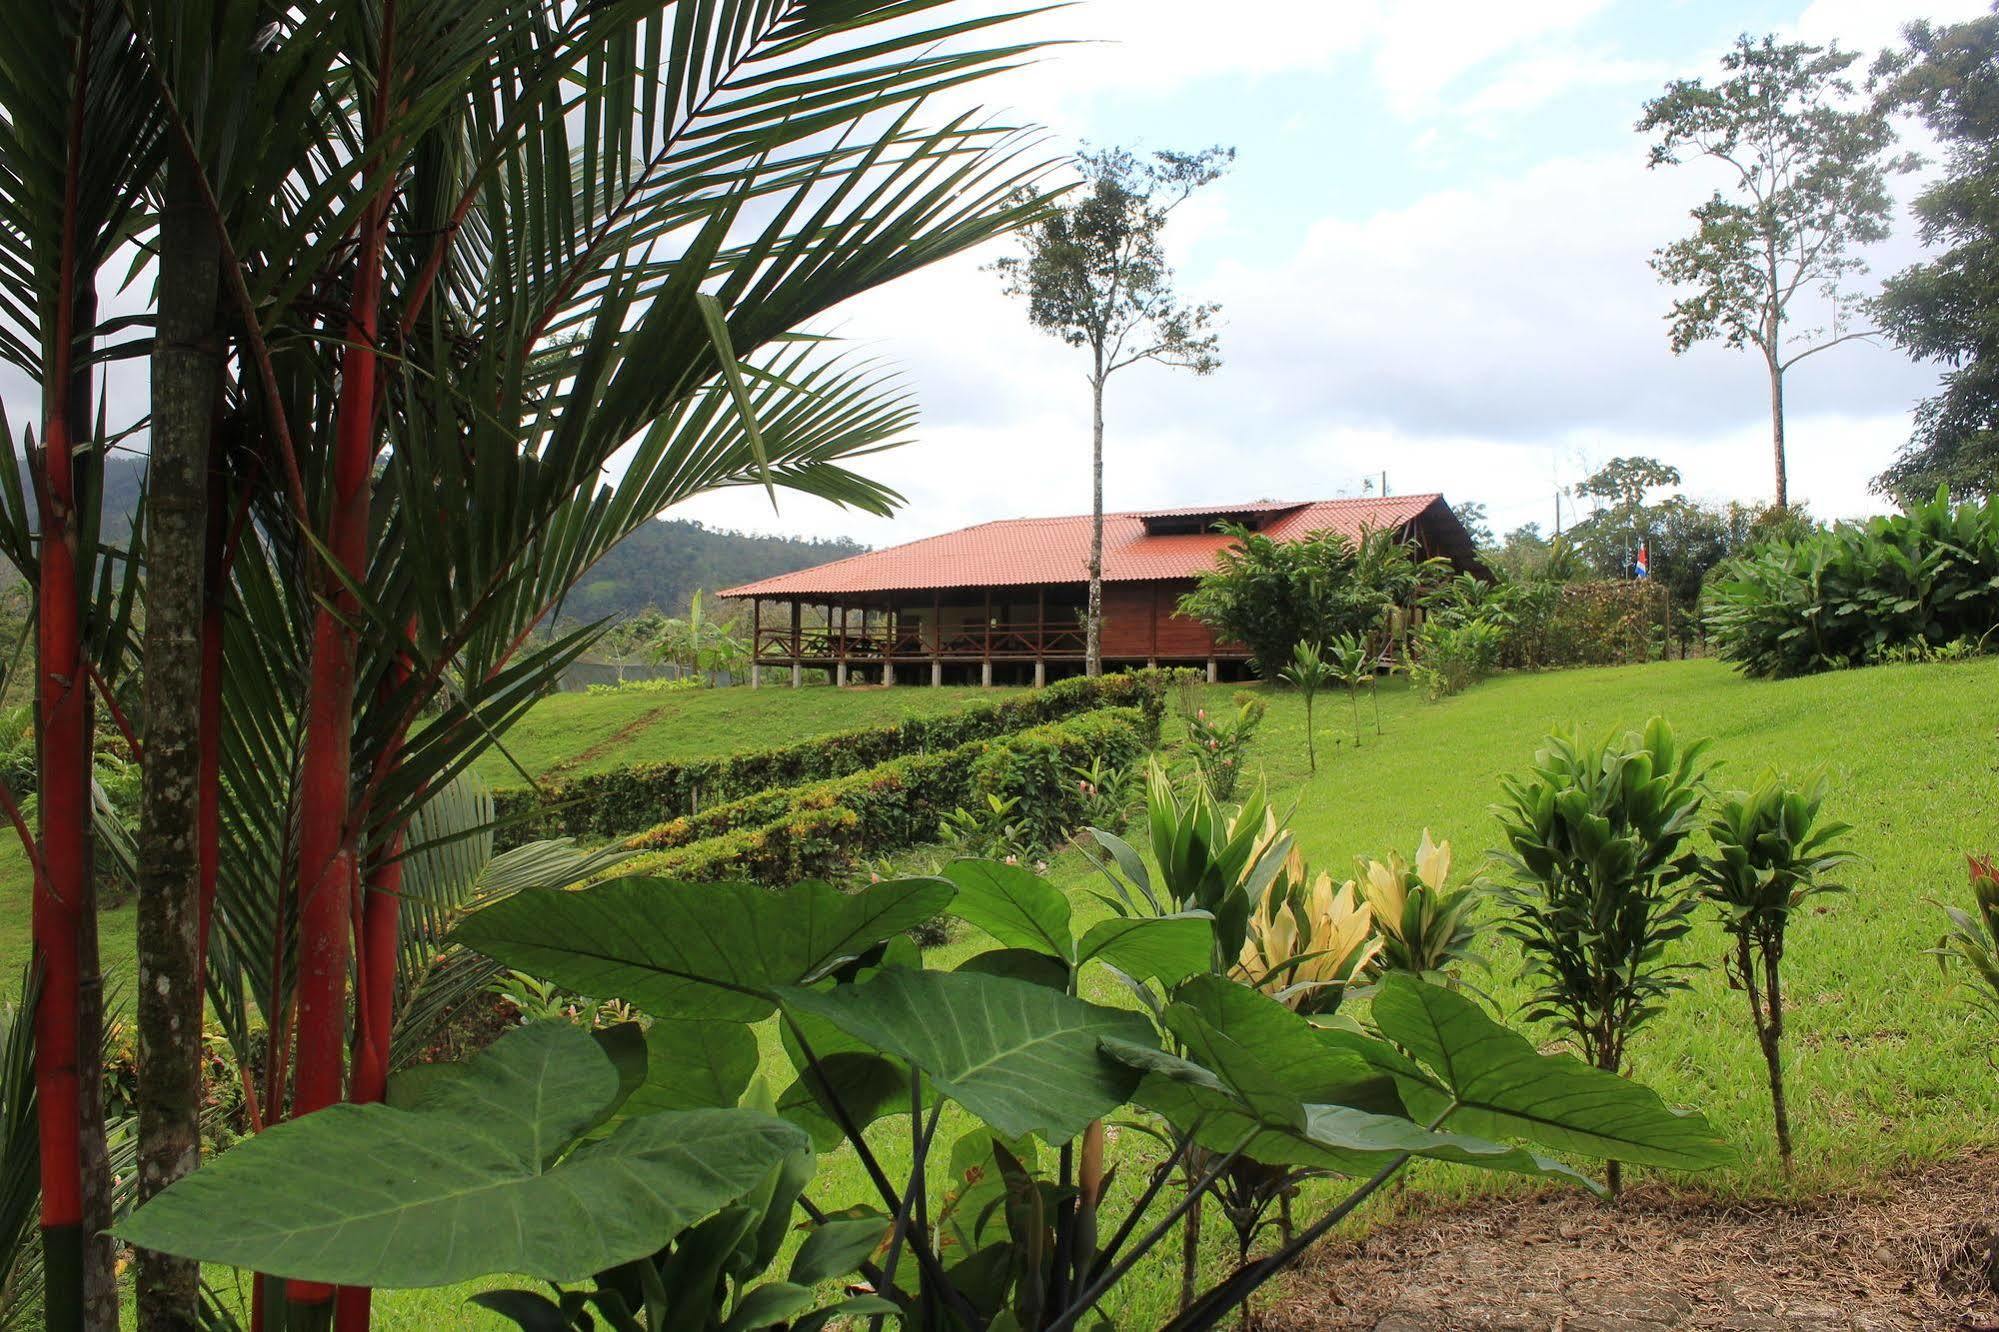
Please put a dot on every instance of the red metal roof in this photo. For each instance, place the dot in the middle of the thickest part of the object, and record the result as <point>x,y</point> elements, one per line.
<point>1017,552</point>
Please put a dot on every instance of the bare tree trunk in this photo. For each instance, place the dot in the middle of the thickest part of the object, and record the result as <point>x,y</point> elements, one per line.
<point>1777,432</point>
<point>186,367</point>
<point>1093,649</point>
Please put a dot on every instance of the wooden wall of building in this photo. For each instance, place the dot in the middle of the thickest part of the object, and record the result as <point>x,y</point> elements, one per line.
<point>1140,623</point>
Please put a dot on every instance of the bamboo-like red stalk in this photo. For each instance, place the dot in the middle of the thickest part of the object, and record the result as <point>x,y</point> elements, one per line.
<point>63,776</point>
<point>328,851</point>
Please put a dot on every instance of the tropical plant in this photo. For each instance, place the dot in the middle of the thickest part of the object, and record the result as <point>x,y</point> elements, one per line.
<point>1307,942</point>
<point>701,645</point>
<point>655,1135</point>
<point>425,270</point>
<point>988,831</point>
<point>1596,837</point>
<point>1771,854</point>
<point>1973,941</point>
<point>1450,658</point>
<point>1353,666</point>
<point>1271,595</point>
<point>1109,790</point>
<point>1220,744</point>
<point>1420,926</point>
<point>1309,672</point>
<point>1845,595</point>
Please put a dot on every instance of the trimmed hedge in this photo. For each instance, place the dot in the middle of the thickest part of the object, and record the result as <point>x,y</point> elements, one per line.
<point>822,828</point>
<point>624,800</point>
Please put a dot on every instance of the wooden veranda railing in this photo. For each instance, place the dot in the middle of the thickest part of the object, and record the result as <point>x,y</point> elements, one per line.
<point>993,642</point>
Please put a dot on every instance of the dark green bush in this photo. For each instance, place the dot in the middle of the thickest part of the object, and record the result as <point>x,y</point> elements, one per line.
<point>637,796</point>
<point>1854,593</point>
<point>822,828</point>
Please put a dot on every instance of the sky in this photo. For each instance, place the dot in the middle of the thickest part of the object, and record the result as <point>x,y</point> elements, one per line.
<point>1431,257</point>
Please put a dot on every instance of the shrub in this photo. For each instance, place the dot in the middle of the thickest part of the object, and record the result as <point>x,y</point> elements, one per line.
<point>637,796</point>
<point>1450,658</point>
<point>1845,595</point>
<point>1973,941</point>
<point>821,828</point>
<point>1596,837</point>
<point>1423,929</point>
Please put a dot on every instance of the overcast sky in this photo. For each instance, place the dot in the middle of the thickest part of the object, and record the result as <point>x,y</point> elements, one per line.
<point>1431,258</point>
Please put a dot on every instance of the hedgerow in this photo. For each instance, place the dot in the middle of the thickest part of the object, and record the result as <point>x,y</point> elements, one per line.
<point>637,796</point>
<point>821,828</point>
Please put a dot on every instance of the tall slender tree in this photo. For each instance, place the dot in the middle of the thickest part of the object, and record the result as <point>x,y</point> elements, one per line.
<point>1808,167</point>
<point>1093,272</point>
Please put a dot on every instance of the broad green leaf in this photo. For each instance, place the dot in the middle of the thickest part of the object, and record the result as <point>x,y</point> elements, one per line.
<point>1167,949</point>
<point>712,952</point>
<point>1504,1086</point>
<point>1025,964</point>
<point>773,1304</point>
<point>474,1182</point>
<point>1311,1069</point>
<point>1021,1057</point>
<point>836,1247</point>
<point>868,1086</point>
<point>1016,907</point>
<point>694,1066</point>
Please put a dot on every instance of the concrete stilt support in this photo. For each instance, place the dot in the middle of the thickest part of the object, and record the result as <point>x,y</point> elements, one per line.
<point>936,674</point>
<point>797,675</point>
<point>1040,674</point>
<point>1214,671</point>
<point>756,675</point>
<point>986,674</point>
<point>840,674</point>
<point>888,672</point>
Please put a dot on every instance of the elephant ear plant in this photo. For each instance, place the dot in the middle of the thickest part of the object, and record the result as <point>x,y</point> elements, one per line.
<point>653,1185</point>
<point>1771,853</point>
<point>1596,837</point>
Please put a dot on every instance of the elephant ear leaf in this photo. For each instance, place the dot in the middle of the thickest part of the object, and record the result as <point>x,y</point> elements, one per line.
<point>480,1174</point>
<point>711,952</point>
<point>1492,1081</point>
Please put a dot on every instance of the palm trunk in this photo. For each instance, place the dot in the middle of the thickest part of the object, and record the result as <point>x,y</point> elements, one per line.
<point>1093,648</point>
<point>60,914</point>
<point>185,370</point>
<point>328,835</point>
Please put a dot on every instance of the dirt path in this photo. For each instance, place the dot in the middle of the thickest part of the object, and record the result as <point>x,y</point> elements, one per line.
<point>1913,1252</point>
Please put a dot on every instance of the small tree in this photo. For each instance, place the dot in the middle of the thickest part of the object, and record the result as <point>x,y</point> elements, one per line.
<point>1810,184</point>
<point>1596,838</point>
<point>1309,671</point>
<point>1094,273</point>
<point>1770,854</point>
<point>1620,518</point>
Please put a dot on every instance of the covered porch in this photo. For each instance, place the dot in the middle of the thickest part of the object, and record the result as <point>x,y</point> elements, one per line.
<point>984,636</point>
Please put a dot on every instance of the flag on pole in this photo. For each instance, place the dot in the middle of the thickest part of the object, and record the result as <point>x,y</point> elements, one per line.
<point>1643,568</point>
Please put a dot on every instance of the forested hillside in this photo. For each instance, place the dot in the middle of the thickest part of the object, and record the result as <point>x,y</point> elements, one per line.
<point>662,564</point>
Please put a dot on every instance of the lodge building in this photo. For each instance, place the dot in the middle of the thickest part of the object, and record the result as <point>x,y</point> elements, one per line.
<point>1003,602</point>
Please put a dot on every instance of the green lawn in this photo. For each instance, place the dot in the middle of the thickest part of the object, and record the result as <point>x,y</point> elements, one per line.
<point>578,733</point>
<point>1883,1068</point>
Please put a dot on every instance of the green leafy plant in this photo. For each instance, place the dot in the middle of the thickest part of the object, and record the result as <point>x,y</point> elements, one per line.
<point>1220,744</point>
<point>1421,927</point>
<point>1353,666</point>
<point>1450,658</point>
<point>1973,941</point>
<point>1596,837</point>
<point>1309,672</point>
<point>1771,854</point>
<point>1852,593</point>
<point>1307,943</point>
<point>988,831</point>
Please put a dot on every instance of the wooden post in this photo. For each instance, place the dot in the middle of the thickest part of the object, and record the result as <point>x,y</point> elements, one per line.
<point>1040,637</point>
<point>840,664</point>
<point>756,639</point>
<point>936,637</point>
<point>986,656</point>
<point>797,670</point>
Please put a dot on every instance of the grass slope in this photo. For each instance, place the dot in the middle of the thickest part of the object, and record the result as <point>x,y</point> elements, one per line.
<point>570,734</point>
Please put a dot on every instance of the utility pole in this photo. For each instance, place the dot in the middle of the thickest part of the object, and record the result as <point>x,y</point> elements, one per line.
<point>1384,483</point>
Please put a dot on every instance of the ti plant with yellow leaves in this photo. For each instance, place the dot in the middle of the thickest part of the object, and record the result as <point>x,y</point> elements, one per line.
<point>1307,942</point>
<point>1422,927</point>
